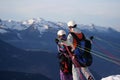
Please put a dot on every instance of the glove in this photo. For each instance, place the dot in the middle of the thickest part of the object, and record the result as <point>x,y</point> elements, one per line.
<point>56,40</point>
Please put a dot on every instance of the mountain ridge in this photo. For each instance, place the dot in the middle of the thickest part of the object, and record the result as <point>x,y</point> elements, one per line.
<point>32,33</point>
<point>39,22</point>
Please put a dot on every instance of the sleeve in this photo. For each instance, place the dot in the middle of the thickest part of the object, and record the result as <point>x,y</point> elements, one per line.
<point>69,40</point>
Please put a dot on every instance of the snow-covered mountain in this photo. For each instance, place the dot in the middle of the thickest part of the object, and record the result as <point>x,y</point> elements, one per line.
<point>41,25</point>
<point>27,32</point>
<point>33,33</point>
<point>37,24</point>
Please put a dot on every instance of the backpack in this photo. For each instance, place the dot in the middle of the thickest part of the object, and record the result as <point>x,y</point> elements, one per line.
<point>82,51</point>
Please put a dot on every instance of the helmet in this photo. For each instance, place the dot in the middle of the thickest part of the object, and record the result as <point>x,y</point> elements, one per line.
<point>71,23</point>
<point>61,32</point>
<point>62,35</point>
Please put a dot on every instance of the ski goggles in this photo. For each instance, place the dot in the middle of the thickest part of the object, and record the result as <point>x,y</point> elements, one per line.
<point>63,37</point>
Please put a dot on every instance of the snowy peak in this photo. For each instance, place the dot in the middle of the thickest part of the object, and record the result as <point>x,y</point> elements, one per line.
<point>12,25</point>
<point>42,25</point>
<point>32,21</point>
<point>93,27</point>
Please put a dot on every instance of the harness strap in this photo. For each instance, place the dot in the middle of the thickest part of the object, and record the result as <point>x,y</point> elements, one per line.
<point>75,37</point>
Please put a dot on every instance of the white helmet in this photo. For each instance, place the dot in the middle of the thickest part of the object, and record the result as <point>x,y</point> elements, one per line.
<point>71,23</point>
<point>61,32</point>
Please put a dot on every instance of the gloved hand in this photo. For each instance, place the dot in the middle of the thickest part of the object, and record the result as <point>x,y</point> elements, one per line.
<point>56,40</point>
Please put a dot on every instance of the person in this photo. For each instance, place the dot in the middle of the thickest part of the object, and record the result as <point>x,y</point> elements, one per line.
<point>73,43</point>
<point>64,59</point>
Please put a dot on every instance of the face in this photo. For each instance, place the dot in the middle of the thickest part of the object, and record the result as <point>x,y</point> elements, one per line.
<point>63,37</point>
<point>70,29</point>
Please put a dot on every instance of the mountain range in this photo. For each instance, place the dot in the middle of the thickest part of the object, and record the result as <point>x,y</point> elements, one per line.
<point>28,46</point>
<point>32,34</point>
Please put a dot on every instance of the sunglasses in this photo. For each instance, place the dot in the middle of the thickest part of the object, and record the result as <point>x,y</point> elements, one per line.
<point>62,37</point>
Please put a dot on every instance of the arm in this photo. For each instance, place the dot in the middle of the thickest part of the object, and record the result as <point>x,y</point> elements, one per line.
<point>70,42</point>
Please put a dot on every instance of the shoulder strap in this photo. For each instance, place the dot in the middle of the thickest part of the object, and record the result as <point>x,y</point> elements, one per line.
<point>75,37</point>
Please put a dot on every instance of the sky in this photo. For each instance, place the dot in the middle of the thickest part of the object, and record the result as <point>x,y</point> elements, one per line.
<point>99,12</point>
